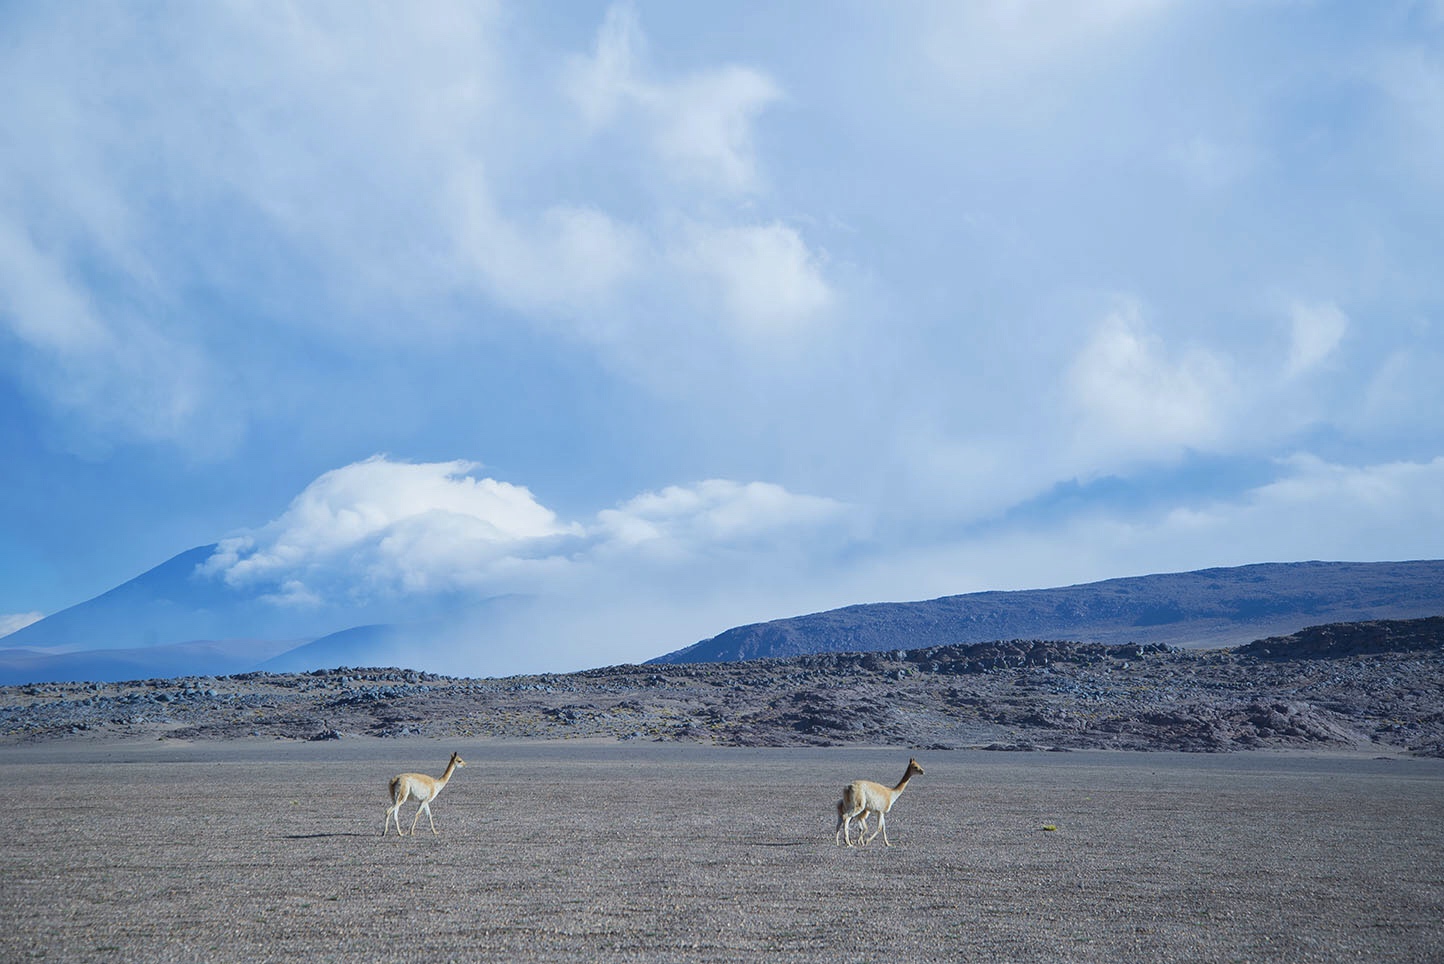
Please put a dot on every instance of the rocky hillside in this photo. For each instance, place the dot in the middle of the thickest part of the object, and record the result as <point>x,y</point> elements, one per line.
<point>1377,687</point>
<point>1206,608</point>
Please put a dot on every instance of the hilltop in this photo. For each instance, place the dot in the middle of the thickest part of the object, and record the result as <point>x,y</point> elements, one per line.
<point>1205,608</point>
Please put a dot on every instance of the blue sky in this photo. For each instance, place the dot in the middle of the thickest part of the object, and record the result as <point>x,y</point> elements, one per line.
<point>678,316</point>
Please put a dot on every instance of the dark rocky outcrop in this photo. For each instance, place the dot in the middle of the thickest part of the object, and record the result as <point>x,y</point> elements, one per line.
<point>1353,639</point>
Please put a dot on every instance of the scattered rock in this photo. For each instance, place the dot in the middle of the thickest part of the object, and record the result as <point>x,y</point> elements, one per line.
<point>1358,686</point>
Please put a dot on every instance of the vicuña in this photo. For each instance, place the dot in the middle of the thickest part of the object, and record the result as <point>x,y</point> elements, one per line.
<point>863,797</point>
<point>419,787</point>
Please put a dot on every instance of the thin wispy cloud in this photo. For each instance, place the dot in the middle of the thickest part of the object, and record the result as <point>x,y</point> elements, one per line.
<point>11,622</point>
<point>698,125</point>
<point>1317,332</point>
<point>1135,394</point>
<point>766,279</point>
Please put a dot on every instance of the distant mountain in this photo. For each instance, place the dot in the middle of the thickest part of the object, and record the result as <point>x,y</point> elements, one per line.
<point>172,620</point>
<point>169,604</point>
<point>1210,607</point>
<point>169,621</point>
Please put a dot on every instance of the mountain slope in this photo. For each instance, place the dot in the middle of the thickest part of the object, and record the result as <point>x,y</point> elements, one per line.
<point>168,621</point>
<point>174,620</point>
<point>1210,607</point>
<point>163,606</point>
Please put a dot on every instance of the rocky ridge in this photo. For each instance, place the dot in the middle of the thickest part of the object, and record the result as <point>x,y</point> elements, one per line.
<point>1374,686</point>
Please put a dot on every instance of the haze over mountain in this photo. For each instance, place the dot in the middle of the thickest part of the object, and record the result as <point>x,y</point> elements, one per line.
<point>1210,607</point>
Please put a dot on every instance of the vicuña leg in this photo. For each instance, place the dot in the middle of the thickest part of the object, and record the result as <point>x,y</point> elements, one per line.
<point>881,828</point>
<point>393,812</point>
<point>848,808</point>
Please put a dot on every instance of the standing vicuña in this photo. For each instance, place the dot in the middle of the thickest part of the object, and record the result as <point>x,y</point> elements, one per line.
<point>865,797</point>
<point>420,787</point>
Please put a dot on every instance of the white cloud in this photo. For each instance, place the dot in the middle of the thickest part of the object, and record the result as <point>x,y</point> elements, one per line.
<point>1136,398</point>
<point>704,126</point>
<point>1361,502</point>
<point>384,526</point>
<point>1412,76</point>
<point>759,280</point>
<point>384,165</point>
<point>1213,164</point>
<point>680,520</point>
<point>699,126</point>
<point>985,46</point>
<point>1314,509</point>
<point>767,279</point>
<point>1405,384</point>
<point>39,305</point>
<point>14,622</point>
<point>599,85</point>
<point>567,262</point>
<point>386,529</point>
<point>156,174</point>
<point>124,374</point>
<point>293,593</point>
<point>1317,330</point>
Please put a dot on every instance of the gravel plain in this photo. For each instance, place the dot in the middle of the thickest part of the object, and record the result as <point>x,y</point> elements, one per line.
<point>579,850</point>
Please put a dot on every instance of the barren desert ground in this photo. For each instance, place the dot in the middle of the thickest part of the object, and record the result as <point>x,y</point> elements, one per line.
<point>573,851</point>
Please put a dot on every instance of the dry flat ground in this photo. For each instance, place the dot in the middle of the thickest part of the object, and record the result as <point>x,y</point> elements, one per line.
<point>567,851</point>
